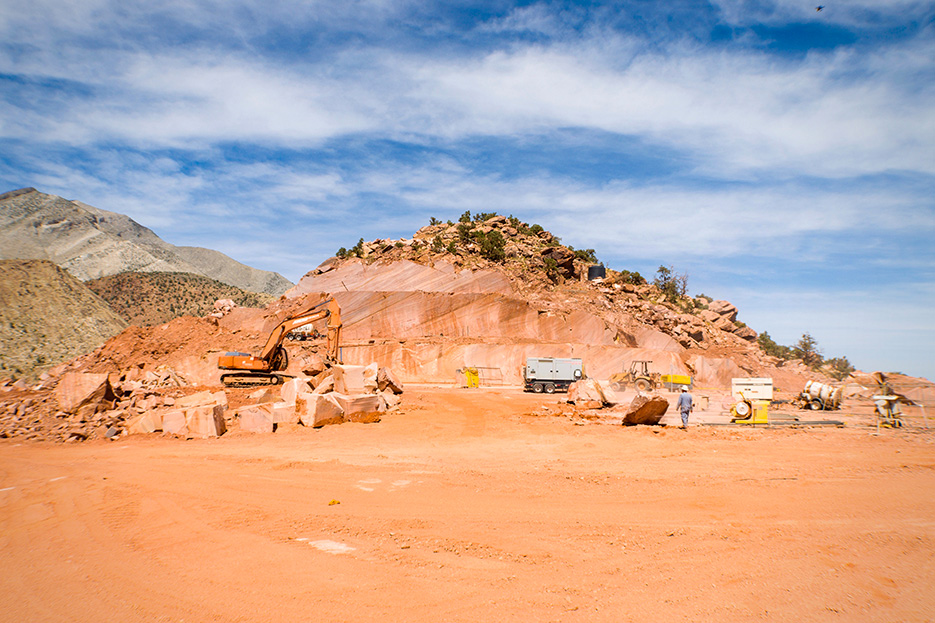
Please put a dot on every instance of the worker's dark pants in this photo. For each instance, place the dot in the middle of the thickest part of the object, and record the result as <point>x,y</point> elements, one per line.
<point>685,418</point>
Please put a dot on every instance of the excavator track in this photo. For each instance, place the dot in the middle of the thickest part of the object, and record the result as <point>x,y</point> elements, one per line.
<point>241,379</point>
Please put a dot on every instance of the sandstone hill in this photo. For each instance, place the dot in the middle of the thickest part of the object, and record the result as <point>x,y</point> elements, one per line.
<point>47,316</point>
<point>485,293</point>
<point>91,243</point>
<point>145,299</point>
<point>490,291</point>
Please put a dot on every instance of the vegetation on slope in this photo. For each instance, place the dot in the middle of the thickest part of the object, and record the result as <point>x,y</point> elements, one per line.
<point>146,299</point>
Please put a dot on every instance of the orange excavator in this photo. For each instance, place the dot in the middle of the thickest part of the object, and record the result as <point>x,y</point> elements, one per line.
<point>266,368</point>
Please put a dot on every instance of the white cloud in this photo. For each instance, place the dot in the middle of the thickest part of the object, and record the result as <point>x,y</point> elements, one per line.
<point>734,114</point>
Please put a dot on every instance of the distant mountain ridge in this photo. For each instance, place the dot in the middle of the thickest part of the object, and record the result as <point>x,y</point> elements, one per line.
<point>91,243</point>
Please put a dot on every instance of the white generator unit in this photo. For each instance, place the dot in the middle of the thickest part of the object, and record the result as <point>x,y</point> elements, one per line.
<point>752,389</point>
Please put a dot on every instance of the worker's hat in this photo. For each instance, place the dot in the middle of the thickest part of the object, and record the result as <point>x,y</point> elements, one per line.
<point>684,388</point>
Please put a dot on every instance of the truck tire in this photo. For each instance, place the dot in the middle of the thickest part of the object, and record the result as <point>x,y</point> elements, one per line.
<point>537,388</point>
<point>549,388</point>
<point>619,387</point>
<point>816,405</point>
<point>642,385</point>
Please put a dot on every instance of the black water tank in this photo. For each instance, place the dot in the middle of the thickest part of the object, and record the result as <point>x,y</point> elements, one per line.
<point>596,272</point>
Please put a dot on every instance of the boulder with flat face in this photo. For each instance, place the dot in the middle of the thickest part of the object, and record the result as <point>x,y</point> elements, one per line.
<point>257,418</point>
<point>645,410</point>
<point>205,421</point>
<point>316,410</point>
<point>76,389</point>
<point>355,379</point>
<point>174,422</point>
<point>291,388</point>
<point>361,407</point>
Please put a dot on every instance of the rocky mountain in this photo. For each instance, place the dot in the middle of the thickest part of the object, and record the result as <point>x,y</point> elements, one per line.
<point>91,243</point>
<point>145,299</point>
<point>47,317</point>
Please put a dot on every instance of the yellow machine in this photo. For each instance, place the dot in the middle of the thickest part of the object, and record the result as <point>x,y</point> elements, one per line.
<point>675,382</point>
<point>753,397</point>
<point>638,375</point>
<point>752,411</point>
<point>471,377</point>
<point>266,368</point>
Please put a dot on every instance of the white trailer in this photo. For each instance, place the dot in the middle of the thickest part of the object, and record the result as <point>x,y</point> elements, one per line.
<point>547,374</point>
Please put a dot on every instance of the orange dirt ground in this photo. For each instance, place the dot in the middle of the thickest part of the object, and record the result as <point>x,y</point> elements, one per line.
<point>473,505</point>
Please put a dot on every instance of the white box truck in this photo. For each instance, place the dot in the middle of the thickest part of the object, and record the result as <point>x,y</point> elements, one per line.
<point>546,374</point>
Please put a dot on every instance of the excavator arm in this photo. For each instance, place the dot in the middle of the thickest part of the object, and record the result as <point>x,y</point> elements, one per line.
<point>328,308</point>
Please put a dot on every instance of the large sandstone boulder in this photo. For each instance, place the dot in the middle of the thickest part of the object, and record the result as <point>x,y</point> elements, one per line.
<point>291,388</point>
<point>256,418</point>
<point>205,421</point>
<point>174,422</point>
<point>201,399</point>
<point>76,389</point>
<point>745,333</point>
<point>645,410</point>
<point>364,408</point>
<point>564,258</point>
<point>723,308</point>
<point>387,380</point>
<point>316,410</point>
<point>587,394</point>
<point>355,379</point>
<point>144,423</point>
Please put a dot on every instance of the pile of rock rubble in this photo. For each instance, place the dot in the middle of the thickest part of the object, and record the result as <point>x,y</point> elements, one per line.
<point>80,405</point>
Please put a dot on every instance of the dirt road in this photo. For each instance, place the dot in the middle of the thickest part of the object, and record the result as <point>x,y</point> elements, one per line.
<point>473,506</point>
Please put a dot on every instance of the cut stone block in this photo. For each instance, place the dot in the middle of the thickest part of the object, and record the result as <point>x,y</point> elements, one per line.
<point>361,407</point>
<point>256,418</point>
<point>354,380</point>
<point>284,413</point>
<point>205,421</point>
<point>174,422</point>
<point>318,410</point>
<point>144,424</point>
<point>292,387</point>
<point>197,400</point>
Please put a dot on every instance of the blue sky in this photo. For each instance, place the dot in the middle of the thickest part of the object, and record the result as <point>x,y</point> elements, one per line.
<point>783,158</point>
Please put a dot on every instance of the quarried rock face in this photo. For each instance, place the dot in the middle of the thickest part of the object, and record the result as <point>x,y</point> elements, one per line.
<point>645,410</point>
